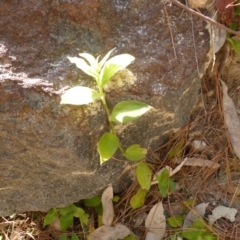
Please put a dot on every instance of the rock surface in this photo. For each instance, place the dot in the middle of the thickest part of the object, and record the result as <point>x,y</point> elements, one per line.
<point>48,151</point>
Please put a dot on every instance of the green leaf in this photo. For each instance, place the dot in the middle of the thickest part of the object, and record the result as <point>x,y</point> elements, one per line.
<point>138,199</point>
<point>107,146</point>
<point>113,65</point>
<point>127,111</point>
<point>81,64</point>
<point>116,198</point>
<point>235,44</point>
<point>66,221</point>
<point>63,237</point>
<point>196,230</point>
<point>50,217</point>
<point>171,184</point>
<point>237,10</point>
<point>79,96</point>
<point>80,213</point>
<point>135,153</point>
<point>144,175</point>
<point>210,237</point>
<point>175,221</point>
<point>70,209</point>
<point>164,183</point>
<point>105,58</point>
<point>233,26</point>
<point>130,237</point>
<point>74,237</point>
<point>91,60</point>
<point>92,202</point>
<point>99,209</point>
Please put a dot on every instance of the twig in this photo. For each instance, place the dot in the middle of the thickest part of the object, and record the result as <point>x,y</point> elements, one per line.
<point>170,29</point>
<point>205,18</point>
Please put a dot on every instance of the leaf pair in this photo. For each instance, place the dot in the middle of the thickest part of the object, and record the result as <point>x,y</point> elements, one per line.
<point>108,145</point>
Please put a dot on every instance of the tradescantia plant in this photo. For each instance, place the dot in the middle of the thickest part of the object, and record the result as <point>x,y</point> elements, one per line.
<point>123,112</point>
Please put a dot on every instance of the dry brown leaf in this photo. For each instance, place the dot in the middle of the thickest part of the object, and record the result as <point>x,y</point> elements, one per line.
<point>231,120</point>
<point>222,211</point>
<point>109,233</point>
<point>199,162</point>
<point>155,223</point>
<point>218,38</point>
<point>194,214</point>
<point>177,169</point>
<point>108,212</point>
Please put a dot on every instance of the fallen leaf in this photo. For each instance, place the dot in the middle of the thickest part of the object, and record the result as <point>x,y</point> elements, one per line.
<point>121,231</point>
<point>108,212</point>
<point>110,233</point>
<point>194,214</point>
<point>178,168</point>
<point>199,162</point>
<point>218,38</point>
<point>231,120</point>
<point>155,223</point>
<point>221,211</point>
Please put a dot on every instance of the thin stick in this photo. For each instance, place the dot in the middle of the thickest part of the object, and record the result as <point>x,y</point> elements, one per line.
<point>207,19</point>
<point>170,29</point>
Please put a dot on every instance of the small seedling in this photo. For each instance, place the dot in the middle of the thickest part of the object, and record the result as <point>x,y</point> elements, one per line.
<point>123,112</point>
<point>165,183</point>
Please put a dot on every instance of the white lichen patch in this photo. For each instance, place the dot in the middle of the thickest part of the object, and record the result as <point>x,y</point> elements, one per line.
<point>122,79</point>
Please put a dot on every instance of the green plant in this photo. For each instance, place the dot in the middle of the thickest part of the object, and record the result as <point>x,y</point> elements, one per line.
<point>123,112</point>
<point>73,237</point>
<point>234,41</point>
<point>198,230</point>
<point>66,216</point>
<point>165,183</point>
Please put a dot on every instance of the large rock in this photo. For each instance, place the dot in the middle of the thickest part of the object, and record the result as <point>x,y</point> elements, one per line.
<point>48,151</point>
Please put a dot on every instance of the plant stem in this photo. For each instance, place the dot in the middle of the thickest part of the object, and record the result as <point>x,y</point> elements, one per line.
<point>112,129</point>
